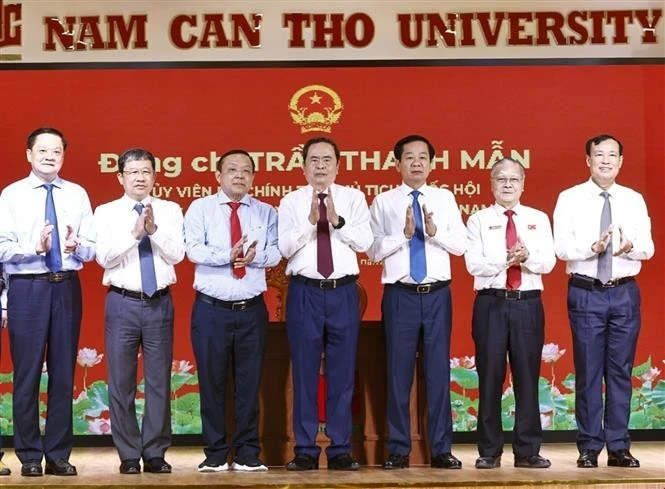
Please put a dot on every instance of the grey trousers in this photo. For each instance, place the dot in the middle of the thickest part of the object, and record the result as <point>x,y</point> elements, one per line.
<point>132,324</point>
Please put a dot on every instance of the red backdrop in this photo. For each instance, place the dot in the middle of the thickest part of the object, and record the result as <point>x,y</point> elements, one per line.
<point>549,110</point>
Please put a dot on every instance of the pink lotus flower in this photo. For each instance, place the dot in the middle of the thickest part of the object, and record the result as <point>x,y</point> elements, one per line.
<point>88,357</point>
<point>99,426</point>
<point>181,366</point>
<point>454,362</point>
<point>546,420</point>
<point>552,353</point>
<point>468,362</point>
<point>650,374</point>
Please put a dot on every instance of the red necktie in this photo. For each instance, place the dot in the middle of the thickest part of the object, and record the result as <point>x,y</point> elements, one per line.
<point>236,235</point>
<point>324,261</point>
<point>514,274</point>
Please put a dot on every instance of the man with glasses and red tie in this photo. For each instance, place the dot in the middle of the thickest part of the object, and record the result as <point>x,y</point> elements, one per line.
<point>510,247</point>
<point>416,227</point>
<point>139,240</point>
<point>322,227</point>
<point>232,239</point>
<point>603,232</point>
<point>46,233</point>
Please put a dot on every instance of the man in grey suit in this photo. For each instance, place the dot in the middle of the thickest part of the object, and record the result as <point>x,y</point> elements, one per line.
<point>140,240</point>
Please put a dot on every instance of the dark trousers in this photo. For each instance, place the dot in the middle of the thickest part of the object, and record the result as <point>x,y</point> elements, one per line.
<point>408,317</point>
<point>605,324</point>
<point>329,320</point>
<point>132,324</point>
<point>515,327</point>
<point>222,338</point>
<point>44,321</point>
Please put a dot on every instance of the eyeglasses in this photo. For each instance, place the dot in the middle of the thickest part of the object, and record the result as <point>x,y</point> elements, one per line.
<point>511,181</point>
<point>136,173</point>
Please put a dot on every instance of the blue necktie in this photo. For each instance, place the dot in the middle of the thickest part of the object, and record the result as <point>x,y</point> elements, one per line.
<point>53,256</point>
<point>418,269</point>
<point>148,276</point>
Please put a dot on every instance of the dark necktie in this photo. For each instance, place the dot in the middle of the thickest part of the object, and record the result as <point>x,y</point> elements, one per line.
<point>236,235</point>
<point>324,260</point>
<point>417,258</point>
<point>148,276</point>
<point>514,273</point>
<point>53,256</point>
<point>605,258</point>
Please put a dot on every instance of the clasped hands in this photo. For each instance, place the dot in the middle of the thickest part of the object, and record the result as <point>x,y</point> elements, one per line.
<point>237,258</point>
<point>45,240</point>
<point>331,213</point>
<point>518,253</point>
<point>625,245</point>
<point>410,222</point>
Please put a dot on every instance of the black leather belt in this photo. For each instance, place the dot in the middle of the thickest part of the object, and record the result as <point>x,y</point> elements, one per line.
<point>50,276</point>
<point>511,295</point>
<point>590,283</point>
<point>327,283</point>
<point>233,305</point>
<point>422,288</point>
<point>139,295</point>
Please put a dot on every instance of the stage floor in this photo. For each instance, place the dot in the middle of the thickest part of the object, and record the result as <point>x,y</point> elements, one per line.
<point>98,468</point>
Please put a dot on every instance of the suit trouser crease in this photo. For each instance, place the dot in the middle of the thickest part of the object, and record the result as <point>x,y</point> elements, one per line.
<point>44,323</point>
<point>605,325</point>
<point>408,318</point>
<point>133,325</point>
<point>224,338</point>
<point>322,320</point>
<point>508,330</point>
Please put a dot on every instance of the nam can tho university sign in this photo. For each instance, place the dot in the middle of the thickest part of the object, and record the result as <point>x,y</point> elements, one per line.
<point>44,31</point>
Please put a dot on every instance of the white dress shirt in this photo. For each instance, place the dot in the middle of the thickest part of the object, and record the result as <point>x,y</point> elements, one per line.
<point>577,227</point>
<point>297,236</point>
<point>118,251</point>
<point>390,245</point>
<point>487,253</point>
<point>22,217</point>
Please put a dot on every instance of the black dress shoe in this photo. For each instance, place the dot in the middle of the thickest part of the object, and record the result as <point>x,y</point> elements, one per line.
<point>621,458</point>
<point>31,468</point>
<point>588,459</point>
<point>488,462</point>
<point>395,461</point>
<point>342,462</point>
<point>130,466</point>
<point>445,461</point>
<point>302,461</point>
<point>532,462</point>
<point>156,465</point>
<point>60,467</point>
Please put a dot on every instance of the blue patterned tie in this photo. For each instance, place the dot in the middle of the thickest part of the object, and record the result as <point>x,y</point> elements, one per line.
<point>418,270</point>
<point>53,256</point>
<point>148,276</point>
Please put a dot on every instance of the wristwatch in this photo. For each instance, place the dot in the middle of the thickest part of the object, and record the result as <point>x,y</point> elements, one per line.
<point>340,222</point>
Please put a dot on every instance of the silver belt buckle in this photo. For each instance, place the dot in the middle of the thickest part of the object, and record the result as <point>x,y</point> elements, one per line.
<point>324,284</point>
<point>513,295</point>
<point>424,288</point>
<point>55,277</point>
<point>239,306</point>
<point>610,283</point>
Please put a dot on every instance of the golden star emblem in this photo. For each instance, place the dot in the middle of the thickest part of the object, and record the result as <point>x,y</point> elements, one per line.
<point>315,99</point>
